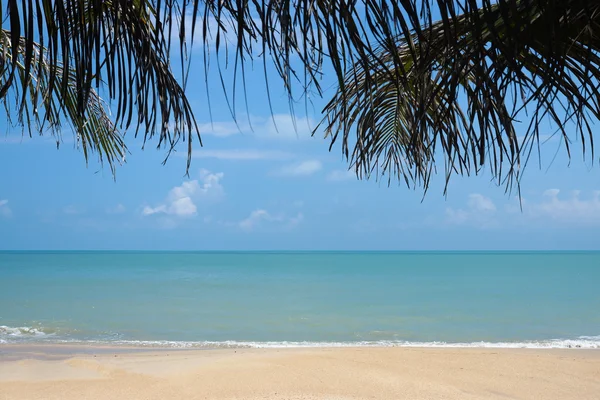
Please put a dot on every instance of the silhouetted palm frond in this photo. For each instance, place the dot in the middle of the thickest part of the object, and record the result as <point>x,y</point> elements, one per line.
<point>418,81</point>
<point>454,91</point>
<point>118,48</point>
<point>42,103</point>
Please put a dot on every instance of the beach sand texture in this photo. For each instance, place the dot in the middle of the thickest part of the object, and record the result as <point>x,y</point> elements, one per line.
<point>323,373</point>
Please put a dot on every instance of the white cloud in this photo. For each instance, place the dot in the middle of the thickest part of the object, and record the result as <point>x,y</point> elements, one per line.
<point>551,193</point>
<point>339,175</point>
<point>569,210</point>
<point>118,209</point>
<point>304,168</point>
<point>277,126</point>
<point>255,217</point>
<point>260,217</point>
<point>154,210</point>
<point>284,126</point>
<point>5,210</point>
<point>243,154</point>
<point>180,199</point>
<point>480,211</point>
<point>221,129</point>
<point>553,208</point>
<point>211,183</point>
<point>479,202</point>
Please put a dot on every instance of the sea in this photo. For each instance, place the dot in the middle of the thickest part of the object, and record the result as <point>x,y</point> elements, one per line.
<point>301,299</point>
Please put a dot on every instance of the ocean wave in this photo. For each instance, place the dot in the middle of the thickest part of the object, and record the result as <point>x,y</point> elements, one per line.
<point>10,335</point>
<point>22,331</point>
<point>584,342</point>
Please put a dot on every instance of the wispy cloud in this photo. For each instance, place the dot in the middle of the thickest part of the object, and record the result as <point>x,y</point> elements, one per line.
<point>5,210</point>
<point>243,154</point>
<point>480,203</point>
<point>180,200</point>
<point>277,126</point>
<point>222,129</point>
<point>552,209</point>
<point>304,168</point>
<point>261,217</point>
<point>284,126</point>
<point>254,218</point>
<point>572,209</point>
<point>480,211</point>
<point>340,175</point>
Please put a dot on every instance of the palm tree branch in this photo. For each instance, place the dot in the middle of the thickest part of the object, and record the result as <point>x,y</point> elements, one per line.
<point>464,80</point>
<point>38,104</point>
<point>480,61</point>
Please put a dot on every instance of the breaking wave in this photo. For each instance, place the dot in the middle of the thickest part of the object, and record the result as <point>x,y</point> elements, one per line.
<point>22,334</point>
<point>583,342</point>
<point>22,331</point>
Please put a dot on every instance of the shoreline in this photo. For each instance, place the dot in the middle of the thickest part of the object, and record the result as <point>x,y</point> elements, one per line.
<point>579,343</point>
<point>301,373</point>
<point>69,350</point>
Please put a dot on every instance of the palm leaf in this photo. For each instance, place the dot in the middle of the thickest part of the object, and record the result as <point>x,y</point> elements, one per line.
<point>455,92</point>
<point>39,107</point>
<point>118,48</point>
<point>411,90</point>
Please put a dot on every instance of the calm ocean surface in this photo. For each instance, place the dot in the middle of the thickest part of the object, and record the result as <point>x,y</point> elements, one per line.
<point>301,299</point>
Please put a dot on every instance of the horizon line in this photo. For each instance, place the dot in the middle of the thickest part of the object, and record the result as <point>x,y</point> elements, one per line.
<point>300,251</point>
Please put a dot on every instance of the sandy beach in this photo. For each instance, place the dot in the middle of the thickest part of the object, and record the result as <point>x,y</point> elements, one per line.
<point>326,373</point>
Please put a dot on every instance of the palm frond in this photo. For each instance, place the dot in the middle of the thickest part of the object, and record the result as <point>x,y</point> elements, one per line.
<point>39,105</point>
<point>455,91</point>
<point>120,48</point>
<point>410,89</point>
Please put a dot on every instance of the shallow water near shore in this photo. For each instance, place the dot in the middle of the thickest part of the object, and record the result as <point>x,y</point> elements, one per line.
<point>308,299</point>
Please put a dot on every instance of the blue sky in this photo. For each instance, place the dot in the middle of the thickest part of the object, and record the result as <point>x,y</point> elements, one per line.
<point>262,189</point>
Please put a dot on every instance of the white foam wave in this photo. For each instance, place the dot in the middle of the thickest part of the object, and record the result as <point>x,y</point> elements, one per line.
<point>21,331</point>
<point>583,342</point>
<point>18,334</point>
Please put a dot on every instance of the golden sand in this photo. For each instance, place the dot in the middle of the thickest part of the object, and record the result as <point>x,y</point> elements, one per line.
<point>328,373</point>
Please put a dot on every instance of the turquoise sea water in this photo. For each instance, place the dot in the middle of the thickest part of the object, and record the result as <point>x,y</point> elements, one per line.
<point>301,299</point>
